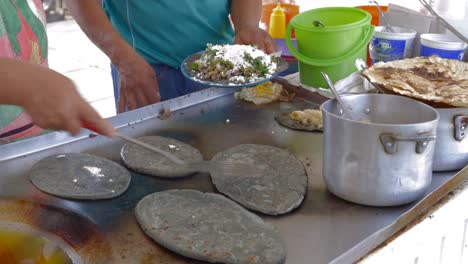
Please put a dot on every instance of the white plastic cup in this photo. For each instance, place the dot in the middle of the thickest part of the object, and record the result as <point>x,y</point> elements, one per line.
<point>442,45</point>
<point>388,46</point>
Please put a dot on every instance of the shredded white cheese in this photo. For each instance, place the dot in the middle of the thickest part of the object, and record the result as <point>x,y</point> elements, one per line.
<point>234,63</point>
<point>235,54</point>
<point>95,171</point>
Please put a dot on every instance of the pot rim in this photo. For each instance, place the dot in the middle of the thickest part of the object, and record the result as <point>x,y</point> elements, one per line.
<point>380,125</point>
<point>454,109</point>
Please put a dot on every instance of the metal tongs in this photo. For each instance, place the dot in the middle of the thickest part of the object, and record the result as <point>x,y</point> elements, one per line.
<point>227,169</point>
<point>361,65</point>
<point>443,21</point>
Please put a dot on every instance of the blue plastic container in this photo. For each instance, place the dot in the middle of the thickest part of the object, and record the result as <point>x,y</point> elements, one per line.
<point>388,46</point>
<point>442,45</point>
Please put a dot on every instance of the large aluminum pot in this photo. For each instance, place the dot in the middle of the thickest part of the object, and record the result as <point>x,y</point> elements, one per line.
<point>384,158</point>
<point>451,149</point>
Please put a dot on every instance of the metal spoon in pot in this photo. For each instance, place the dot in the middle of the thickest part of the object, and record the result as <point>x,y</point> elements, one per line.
<point>344,107</point>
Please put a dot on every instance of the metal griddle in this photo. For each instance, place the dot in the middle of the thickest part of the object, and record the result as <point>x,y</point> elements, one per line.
<point>324,229</point>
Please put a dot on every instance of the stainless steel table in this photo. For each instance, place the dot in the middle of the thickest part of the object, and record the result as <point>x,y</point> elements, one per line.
<point>325,229</point>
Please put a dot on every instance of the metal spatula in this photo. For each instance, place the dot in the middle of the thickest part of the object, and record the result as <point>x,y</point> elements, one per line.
<point>237,169</point>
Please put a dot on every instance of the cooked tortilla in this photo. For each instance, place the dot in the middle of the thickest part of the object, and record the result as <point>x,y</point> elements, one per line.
<point>279,189</point>
<point>80,176</point>
<point>442,82</point>
<point>148,162</point>
<point>307,120</point>
<point>208,227</point>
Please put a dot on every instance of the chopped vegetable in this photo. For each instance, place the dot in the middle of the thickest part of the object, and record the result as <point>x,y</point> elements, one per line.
<point>237,64</point>
<point>195,66</point>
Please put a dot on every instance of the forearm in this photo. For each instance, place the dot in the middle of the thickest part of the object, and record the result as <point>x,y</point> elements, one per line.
<point>14,81</point>
<point>94,22</point>
<point>50,98</point>
<point>246,13</point>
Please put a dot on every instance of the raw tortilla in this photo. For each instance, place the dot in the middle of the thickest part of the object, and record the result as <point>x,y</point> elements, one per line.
<point>80,176</point>
<point>284,119</point>
<point>209,227</point>
<point>280,188</point>
<point>147,162</point>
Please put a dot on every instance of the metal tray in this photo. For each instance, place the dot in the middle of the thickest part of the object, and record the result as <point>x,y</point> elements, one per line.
<point>324,229</point>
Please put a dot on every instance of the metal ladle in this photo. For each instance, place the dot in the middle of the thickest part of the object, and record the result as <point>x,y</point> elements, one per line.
<point>382,15</point>
<point>344,107</point>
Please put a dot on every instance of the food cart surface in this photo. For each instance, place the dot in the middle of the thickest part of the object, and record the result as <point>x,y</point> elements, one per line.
<point>324,229</point>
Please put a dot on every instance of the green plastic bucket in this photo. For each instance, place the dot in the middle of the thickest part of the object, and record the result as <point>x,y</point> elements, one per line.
<point>333,48</point>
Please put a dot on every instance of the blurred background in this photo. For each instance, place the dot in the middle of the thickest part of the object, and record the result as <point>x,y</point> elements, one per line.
<point>72,54</point>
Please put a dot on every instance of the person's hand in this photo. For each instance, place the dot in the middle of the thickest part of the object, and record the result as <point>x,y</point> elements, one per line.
<point>255,36</point>
<point>138,85</point>
<point>53,102</point>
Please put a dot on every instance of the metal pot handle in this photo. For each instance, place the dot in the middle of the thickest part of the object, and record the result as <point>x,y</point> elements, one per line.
<point>389,142</point>
<point>461,123</point>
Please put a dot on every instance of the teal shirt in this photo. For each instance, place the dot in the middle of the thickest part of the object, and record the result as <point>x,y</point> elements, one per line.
<point>167,31</point>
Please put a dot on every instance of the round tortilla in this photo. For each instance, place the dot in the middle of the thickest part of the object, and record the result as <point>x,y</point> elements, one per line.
<point>80,176</point>
<point>438,82</point>
<point>209,227</point>
<point>148,162</point>
<point>284,119</point>
<point>280,188</point>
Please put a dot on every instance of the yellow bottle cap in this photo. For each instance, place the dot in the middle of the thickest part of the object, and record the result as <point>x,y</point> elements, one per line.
<point>278,10</point>
<point>277,25</point>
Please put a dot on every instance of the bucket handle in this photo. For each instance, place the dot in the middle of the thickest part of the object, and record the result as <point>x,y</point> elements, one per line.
<point>327,62</point>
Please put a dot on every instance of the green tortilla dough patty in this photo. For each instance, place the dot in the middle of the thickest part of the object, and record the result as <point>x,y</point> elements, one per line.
<point>80,176</point>
<point>285,120</point>
<point>209,227</point>
<point>148,162</point>
<point>280,187</point>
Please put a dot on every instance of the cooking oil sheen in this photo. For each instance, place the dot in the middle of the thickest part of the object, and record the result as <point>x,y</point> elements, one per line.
<point>18,247</point>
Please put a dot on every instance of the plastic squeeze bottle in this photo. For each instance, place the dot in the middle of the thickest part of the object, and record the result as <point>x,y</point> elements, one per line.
<point>277,22</point>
